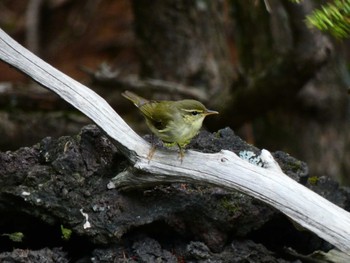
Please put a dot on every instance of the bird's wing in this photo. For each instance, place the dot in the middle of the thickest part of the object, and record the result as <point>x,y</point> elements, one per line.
<point>155,113</point>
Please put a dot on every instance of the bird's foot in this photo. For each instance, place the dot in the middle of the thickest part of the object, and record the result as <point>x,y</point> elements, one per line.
<point>151,153</point>
<point>181,153</point>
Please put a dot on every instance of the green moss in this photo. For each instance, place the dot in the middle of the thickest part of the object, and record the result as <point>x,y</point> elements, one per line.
<point>15,236</point>
<point>230,206</point>
<point>295,166</point>
<point>66,233</point>
<point>313,180</point>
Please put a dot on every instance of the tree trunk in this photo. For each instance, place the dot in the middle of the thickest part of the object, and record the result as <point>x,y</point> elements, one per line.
<point>293,85</point>
<point>185,43</point>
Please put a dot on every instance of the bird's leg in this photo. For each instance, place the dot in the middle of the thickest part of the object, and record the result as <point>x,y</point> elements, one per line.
<point>153,149</point>
<point>181,153</point>
<point>151,153</point>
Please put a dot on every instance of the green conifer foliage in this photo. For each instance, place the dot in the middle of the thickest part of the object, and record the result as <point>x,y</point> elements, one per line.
<point>333,18</point>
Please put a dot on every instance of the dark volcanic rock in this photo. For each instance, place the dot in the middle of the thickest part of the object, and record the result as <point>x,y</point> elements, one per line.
<point>149,250</point>
<point>55,255</point>
<point>63,182</point>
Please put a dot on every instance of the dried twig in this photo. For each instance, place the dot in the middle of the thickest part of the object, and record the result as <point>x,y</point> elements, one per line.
<point>132,82</point>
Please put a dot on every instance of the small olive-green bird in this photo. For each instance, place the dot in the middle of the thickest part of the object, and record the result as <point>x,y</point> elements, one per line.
<point>174,122</point>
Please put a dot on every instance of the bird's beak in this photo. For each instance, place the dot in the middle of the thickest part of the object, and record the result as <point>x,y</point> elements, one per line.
<point>210,112</point>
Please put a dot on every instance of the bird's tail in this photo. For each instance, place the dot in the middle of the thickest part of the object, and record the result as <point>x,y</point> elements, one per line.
<point>136,99</point>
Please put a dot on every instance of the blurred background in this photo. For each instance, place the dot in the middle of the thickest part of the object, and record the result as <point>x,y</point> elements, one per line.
<point>277,82</point>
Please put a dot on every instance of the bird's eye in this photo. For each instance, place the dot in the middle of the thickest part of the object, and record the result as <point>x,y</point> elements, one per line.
<point>194,113</point>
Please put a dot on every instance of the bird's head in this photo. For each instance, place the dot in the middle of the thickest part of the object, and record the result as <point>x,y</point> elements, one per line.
<point>193,112</point>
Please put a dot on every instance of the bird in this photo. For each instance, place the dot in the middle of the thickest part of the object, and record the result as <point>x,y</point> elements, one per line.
<point>174,122</point>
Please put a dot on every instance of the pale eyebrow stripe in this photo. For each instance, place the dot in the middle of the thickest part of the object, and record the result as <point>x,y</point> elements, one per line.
<point>192,110</point>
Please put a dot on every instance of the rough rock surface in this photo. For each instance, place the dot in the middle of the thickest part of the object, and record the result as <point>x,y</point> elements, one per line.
<point>59,182</point>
